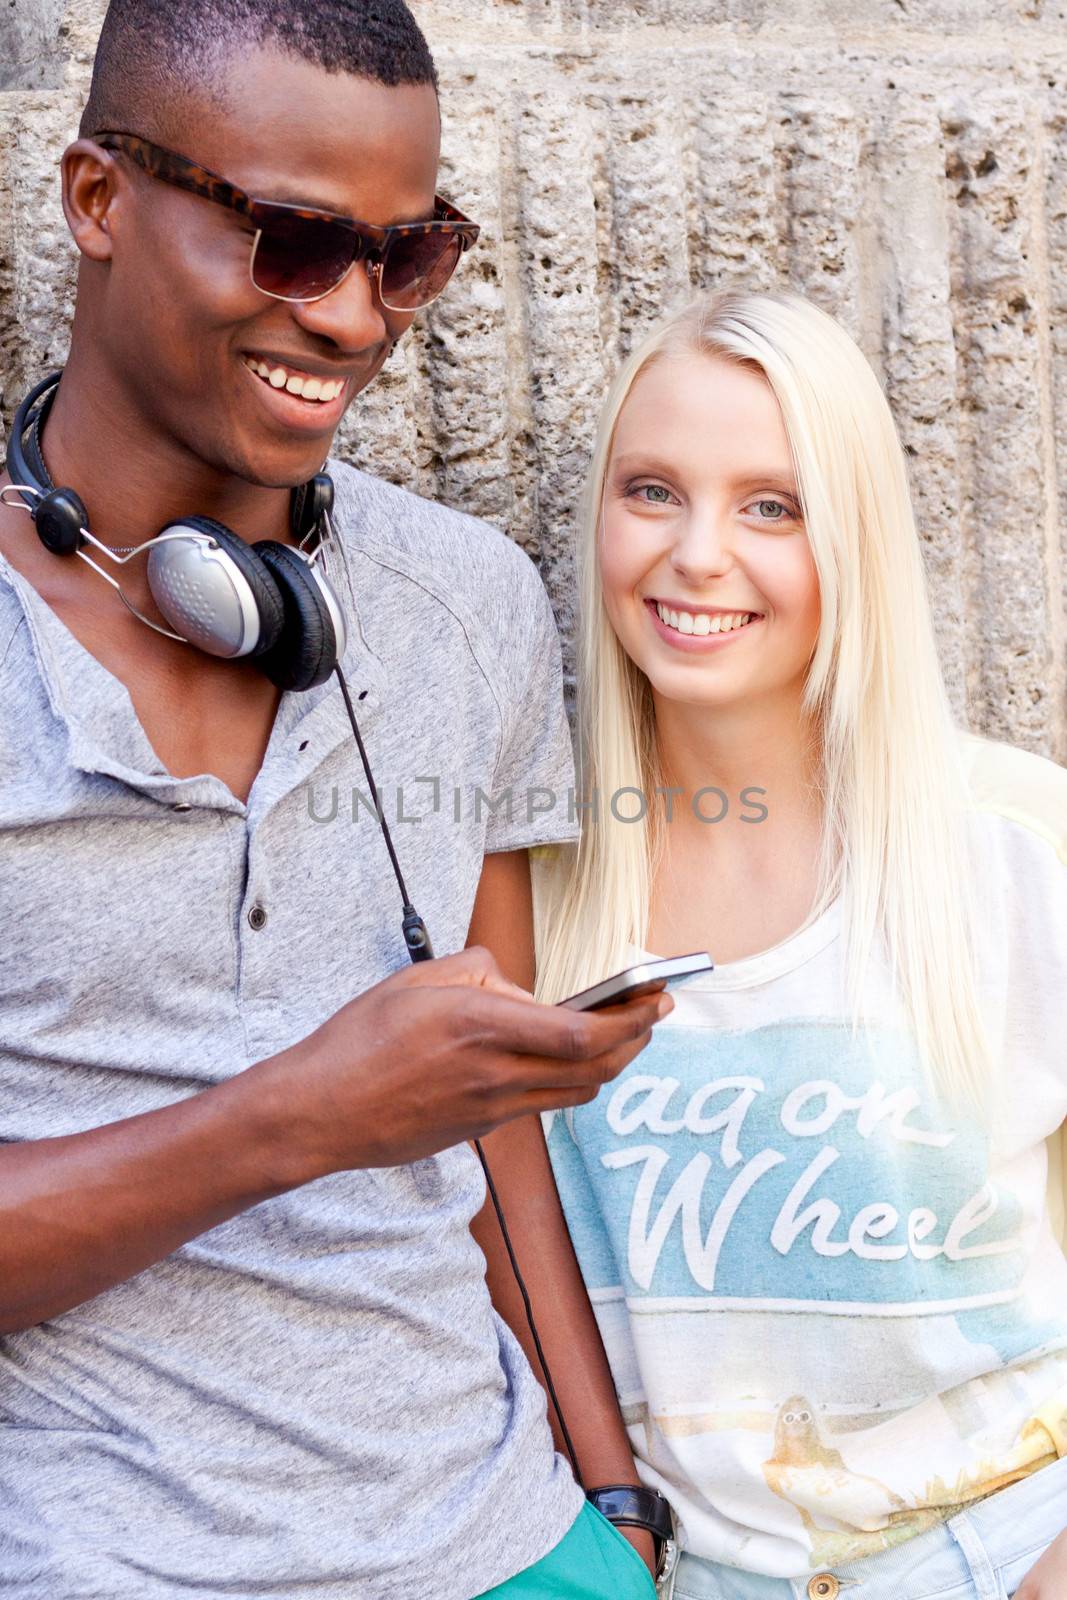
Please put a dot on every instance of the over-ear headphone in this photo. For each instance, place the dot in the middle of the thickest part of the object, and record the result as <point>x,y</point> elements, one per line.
<point>267,600</point>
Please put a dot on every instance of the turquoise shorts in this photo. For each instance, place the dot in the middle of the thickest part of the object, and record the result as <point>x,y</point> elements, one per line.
<point>593,1562</point>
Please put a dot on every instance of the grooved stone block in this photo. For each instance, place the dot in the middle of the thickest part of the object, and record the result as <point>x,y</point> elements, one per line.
<point>919,355</point>
<point>904,162</point>
<point>1000,423</point>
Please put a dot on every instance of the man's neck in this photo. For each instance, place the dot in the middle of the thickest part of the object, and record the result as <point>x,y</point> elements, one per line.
<point>132,478</point>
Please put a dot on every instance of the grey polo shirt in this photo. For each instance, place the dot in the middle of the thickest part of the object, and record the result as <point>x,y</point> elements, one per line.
<point>315,1399</point>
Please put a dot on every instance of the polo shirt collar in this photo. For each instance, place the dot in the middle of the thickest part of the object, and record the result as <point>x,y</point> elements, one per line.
<point>106,737</point>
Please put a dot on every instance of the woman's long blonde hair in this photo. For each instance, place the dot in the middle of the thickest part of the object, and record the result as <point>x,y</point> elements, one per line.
<point>892,780</point>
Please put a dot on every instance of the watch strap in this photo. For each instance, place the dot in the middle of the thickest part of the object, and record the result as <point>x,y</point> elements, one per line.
<point>634,1507</point>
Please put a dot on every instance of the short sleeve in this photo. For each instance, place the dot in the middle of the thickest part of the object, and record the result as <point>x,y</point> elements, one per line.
<point>533,786</point>
<point>1030,941</point>
<point>1020,876</point>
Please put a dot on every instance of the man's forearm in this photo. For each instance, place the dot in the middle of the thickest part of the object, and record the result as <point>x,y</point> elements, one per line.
<point>565,1321</point>
<point>502,920</point>
<point>430,1057</point>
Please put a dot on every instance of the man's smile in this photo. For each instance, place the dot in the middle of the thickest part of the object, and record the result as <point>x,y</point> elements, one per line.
<point>296,380</point>
<point>299,400</point>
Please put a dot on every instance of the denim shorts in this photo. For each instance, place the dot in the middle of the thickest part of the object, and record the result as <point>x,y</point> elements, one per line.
<point>980,1554</point>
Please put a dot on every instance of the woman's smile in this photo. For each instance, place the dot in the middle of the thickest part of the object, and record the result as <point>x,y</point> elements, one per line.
<point>687,627</point>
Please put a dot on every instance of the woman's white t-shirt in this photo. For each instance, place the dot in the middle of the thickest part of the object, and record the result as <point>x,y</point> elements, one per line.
<point>835,1310</point>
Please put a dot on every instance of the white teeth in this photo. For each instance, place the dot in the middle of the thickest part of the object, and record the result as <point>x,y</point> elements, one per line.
<point>700,623</point>
<point>308,388</point>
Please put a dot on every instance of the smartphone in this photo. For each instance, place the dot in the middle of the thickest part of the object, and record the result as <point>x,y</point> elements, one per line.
<point>638,981</point>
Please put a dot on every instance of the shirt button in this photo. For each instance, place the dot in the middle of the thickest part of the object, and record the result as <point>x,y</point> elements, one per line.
<point>257,918</point>
<point>824,1587</point>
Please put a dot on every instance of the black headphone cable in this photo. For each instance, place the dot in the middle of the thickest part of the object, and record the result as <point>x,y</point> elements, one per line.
<point>542,1358</point>
<point>419,949</point>
<point>415,935</point>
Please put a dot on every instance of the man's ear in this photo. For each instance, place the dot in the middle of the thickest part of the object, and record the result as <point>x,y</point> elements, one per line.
<point>89,191</point>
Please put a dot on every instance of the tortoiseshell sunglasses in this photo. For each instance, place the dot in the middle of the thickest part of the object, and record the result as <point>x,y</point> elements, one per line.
<point>301,253</point>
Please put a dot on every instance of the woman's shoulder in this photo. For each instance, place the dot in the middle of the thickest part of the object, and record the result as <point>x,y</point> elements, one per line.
<point>1020,786</point>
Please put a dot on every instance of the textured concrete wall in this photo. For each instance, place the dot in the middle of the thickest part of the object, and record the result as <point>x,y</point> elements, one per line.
<point>904,162</point>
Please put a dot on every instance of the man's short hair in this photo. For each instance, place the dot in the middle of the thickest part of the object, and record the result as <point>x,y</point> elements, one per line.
<point>154,54</point>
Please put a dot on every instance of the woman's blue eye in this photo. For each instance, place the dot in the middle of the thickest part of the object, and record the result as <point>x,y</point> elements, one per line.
<point>655,493</point>
<point>773,510</point>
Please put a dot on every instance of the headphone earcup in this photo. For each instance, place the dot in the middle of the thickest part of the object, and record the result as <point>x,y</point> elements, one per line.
<point>307,650</point>
<point>225,601</point>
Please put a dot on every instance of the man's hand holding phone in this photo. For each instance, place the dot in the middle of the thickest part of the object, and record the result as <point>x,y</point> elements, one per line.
<point>440,1053</point>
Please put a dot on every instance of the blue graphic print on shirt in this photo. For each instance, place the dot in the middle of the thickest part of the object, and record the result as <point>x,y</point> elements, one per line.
<point>785,1164</point>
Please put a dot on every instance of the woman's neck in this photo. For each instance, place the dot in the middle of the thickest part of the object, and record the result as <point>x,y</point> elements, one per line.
<point>739,871</point>
<point>770,747</point>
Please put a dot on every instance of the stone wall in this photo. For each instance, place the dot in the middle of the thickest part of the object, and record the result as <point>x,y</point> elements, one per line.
<point>904,162</point>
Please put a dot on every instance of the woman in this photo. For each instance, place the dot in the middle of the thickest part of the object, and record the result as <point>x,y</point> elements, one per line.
<point>811,1216</point>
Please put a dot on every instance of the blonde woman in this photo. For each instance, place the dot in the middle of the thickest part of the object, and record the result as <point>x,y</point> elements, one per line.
<point>812,1216</point>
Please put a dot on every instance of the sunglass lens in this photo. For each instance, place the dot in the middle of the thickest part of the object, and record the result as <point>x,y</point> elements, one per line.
<point>416,268</point>
<point>300,258</point>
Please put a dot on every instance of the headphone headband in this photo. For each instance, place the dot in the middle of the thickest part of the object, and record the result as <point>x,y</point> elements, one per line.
<point>22,472</point>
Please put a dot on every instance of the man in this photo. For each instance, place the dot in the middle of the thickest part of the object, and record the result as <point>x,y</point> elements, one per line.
<point>248,1348</point>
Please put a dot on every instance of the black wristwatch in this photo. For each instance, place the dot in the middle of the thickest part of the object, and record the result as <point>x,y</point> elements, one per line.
<point>625,1505</point>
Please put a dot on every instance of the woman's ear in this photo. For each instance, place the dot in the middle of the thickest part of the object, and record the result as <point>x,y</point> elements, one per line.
<point>89,190</point>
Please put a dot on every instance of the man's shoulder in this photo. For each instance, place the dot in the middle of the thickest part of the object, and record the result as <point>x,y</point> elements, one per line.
<point>1020,786</point>
<point>453,554</point>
